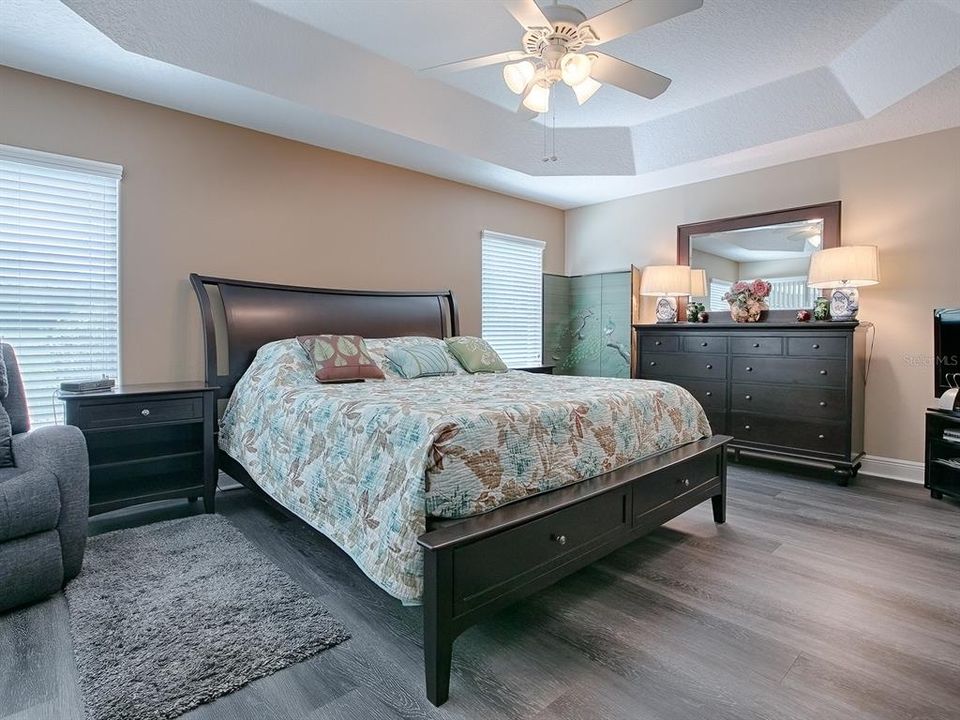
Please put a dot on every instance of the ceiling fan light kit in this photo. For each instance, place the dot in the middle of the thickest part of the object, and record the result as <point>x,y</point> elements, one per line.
<point>552,44</point>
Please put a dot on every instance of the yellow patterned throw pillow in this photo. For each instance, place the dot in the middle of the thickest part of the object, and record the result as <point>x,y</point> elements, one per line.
<point>340,358</point>
<point>476,355</point>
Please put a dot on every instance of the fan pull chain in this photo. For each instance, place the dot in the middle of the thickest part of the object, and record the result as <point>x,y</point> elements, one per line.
<point>553,137</point>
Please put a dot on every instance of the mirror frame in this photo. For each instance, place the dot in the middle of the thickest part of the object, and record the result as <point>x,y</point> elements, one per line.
<point>829,212</point>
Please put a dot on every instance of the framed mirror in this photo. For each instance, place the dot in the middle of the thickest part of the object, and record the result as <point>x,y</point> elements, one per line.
<point>774,246</point>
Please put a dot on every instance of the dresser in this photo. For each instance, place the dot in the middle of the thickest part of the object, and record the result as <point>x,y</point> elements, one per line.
<point>787,390</point>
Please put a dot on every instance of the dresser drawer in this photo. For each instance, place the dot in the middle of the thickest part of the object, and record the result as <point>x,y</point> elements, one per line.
<point>817,346</point>
<point>659,343</point>
<point>789,400</point>
<point>535,548</point>
<point>651,492</point>
<point>705,343</point>
<point>718,421</point>
<point>756,345</point>
<point>711,394</point>
<point>142,412</point>
<point>784,431</point>
<point>790,371</point>
<point>693,365</point>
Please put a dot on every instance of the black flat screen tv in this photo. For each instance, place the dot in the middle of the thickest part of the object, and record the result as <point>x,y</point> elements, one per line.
<point>946,349</point>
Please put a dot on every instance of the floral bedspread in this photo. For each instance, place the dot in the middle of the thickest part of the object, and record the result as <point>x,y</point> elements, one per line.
<point>366,463</point>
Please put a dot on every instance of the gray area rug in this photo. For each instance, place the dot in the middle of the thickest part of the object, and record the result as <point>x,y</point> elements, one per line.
<point>168,616</point>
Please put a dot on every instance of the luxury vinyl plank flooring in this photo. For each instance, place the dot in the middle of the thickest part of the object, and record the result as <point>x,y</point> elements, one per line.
<point>813,601</point>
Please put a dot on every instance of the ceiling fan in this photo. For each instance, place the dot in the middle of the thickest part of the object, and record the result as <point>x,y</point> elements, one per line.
<point>553,51</point>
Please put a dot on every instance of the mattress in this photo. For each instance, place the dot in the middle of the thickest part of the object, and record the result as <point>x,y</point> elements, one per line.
<point>367,463</point>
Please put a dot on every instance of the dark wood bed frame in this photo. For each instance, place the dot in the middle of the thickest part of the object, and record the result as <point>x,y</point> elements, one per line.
<point>476,566</point>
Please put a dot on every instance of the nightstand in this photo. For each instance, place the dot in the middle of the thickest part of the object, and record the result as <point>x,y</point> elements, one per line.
<point>148,442</point>
<point>943,454</point>
<point>542,369</point>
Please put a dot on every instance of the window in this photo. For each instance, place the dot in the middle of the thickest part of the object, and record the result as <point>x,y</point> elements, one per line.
<point>719,288</point>
<point>791,292</point>
<point>58,270</point>
<point>512,288</point>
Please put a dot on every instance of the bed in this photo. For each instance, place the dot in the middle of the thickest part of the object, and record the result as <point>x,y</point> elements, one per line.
<point>464,492</point>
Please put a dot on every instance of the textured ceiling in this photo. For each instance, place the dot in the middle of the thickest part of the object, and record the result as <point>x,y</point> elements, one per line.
<point>755,82</point>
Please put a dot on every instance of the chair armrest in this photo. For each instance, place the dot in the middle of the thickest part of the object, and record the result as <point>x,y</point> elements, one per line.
<point>62,451</point>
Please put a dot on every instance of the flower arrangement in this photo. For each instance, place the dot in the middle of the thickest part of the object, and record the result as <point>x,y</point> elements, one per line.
<point>748,299</point>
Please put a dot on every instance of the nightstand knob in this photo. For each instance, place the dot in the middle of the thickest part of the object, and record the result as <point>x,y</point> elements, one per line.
<point>816,346</point>
<point>823,372</point>
<point>756,345</point>
<point>821,437</point>
<point>145,412</point>
<point>746,427</point>
<point>686,482</point>
<point>559,539</point>
<point>823,404</point>
<point>709,366</point>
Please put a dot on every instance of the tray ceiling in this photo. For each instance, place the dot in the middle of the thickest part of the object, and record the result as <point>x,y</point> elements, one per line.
<point>755,83</point>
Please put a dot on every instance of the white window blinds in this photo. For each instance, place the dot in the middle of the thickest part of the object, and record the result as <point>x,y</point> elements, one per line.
<point>512,290</point>
<point>719,288</point>
<point>58,270</point>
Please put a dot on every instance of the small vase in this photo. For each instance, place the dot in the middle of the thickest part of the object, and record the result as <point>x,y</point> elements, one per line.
<point>745,314</point>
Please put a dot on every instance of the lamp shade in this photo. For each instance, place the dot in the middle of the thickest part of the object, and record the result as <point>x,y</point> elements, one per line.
<point>847,266</point>
<point>669,280</point>
<point>698,282</point>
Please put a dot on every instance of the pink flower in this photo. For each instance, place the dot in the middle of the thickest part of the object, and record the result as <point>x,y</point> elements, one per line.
<point>760,288</point>
<point>740,287</point>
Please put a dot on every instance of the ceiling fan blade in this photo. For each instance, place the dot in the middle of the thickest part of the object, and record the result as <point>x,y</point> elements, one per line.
<point>527,13</point>
<point>477,62</point>
<point>635,15</point>
<point>638,80</point>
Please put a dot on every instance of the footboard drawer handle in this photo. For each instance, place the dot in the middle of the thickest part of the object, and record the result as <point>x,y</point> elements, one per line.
<point>559,539</point>
<point>145,412</point>
<point>686,482</point>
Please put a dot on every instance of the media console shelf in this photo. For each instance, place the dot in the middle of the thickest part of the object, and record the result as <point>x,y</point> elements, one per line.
<point>942,476</point>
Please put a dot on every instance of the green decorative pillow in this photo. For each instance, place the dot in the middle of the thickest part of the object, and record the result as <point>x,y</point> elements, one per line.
<point>340,358</point>
<point>475,354</point>
<point>424,360</point>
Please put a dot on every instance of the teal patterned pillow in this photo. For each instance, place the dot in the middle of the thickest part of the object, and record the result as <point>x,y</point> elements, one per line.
<point>413,361</point>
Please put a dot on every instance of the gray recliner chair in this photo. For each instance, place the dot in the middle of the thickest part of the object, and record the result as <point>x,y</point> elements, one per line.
<point>43,502</point>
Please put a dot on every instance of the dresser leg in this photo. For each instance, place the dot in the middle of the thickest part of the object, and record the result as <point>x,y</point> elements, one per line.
<point>208,499</point>
<point>843,474</point>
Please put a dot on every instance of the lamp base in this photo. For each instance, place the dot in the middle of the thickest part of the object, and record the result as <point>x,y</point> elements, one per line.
<point>666,310</point>
<point>844,304</point>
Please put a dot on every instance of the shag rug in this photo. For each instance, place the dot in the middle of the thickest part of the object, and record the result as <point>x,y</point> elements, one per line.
<point>168,616</point>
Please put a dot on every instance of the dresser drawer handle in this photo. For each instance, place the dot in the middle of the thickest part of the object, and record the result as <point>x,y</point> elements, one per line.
<point>816,346</point>
<point>686,482</point>
<point>652,363</point>
<point>756,345</point>
<point>746,427</point>
<point>748,397</point>
<point>821,437</point>
<point>703,344</point>
<point>749,369</point>
<point>145,412</point>
<point>658,343</point>
<point>823,403</point>
<point>823,372</point>
<point>559,539</point>
<point>709,366</point>
<point>709,393</point>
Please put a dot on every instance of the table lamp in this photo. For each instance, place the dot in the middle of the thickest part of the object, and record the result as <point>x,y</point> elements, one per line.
<point>844,269</point>
<point>666,282</point>
<point>698,282</point>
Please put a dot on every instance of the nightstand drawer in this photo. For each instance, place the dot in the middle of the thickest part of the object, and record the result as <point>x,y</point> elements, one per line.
<point>140,412</point>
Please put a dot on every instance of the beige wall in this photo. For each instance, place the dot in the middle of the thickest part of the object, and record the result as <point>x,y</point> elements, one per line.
<point>203,196</point>
<point>902,196</point>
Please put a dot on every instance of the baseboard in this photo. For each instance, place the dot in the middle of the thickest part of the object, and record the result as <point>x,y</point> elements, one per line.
<point>893,468</point>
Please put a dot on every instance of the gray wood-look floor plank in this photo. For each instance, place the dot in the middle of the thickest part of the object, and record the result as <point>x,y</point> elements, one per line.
<point>812,601</point>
